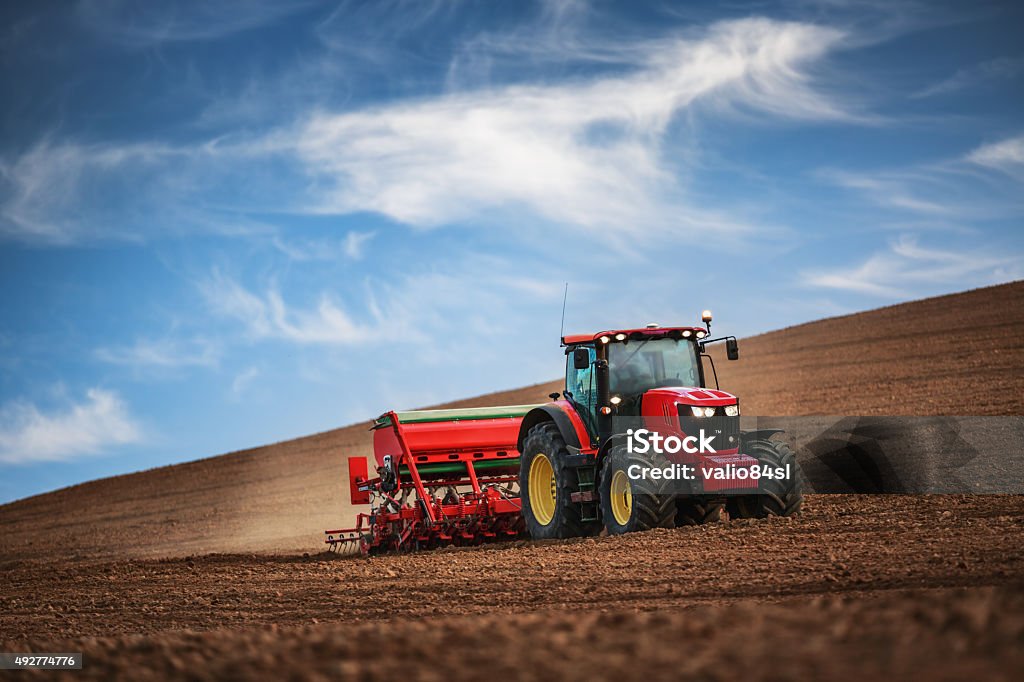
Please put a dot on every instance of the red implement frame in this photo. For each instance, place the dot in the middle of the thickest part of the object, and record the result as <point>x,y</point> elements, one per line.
<point>478,505</point>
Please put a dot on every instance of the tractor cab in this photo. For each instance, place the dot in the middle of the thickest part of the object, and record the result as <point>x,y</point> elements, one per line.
<point>617,372</point>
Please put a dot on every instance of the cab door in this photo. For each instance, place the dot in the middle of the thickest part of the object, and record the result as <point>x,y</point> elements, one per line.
<point>582,385</point>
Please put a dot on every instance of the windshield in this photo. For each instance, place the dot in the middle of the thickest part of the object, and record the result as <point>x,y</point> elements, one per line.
<point>638,366</point>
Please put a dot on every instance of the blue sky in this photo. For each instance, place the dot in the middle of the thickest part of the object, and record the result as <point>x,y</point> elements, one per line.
<point>227,224</point>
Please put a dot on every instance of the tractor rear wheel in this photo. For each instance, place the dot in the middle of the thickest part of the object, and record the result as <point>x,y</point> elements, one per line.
<point>628,504</point>
<point>546,485</point>
<point>696,510</point>
<point>778,496</point>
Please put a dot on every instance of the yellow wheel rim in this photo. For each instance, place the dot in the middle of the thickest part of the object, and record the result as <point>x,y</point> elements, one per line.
<point>543,491</point>
<point>621,498</point>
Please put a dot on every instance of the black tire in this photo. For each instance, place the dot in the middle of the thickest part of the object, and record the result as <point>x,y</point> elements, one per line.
<point>653,503</point>
<point>695,510</point>
<point>544,438</point>
<point>778,497</point>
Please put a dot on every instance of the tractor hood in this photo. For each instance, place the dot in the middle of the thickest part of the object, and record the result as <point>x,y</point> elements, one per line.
<point>690,395</point>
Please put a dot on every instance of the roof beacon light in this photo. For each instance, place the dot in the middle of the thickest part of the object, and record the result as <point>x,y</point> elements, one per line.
<point>706,319</point>
<point>652,325</point>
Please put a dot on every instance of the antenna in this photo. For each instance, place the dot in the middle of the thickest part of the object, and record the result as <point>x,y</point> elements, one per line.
<point>561,334</point>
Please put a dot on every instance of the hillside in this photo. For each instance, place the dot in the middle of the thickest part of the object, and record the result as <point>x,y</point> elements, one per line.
<point>958,354</point>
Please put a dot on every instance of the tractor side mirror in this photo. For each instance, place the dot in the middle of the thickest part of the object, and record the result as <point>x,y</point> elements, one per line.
<point>732,349</point>
<point>581,358</point>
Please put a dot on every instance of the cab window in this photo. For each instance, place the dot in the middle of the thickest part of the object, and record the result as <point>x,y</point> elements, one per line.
<point>582,384</point>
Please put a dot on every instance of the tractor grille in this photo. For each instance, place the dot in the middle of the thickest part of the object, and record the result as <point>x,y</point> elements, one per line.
<point>726,430</point>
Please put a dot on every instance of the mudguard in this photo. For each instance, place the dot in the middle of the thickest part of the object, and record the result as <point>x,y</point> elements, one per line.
<point>612,441</point>
<point>564,415</point>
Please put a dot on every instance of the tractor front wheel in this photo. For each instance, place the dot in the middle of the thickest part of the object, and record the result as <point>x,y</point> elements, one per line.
<point>777,496</point>
<point>546,485</point>
<point>628,504</point>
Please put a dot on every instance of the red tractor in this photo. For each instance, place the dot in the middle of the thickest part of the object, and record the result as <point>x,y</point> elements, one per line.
<point>576,471</point>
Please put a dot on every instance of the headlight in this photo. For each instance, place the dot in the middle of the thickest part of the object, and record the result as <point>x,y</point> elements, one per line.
<point>732,410</point>
<point>701,335</point>
<point>620,337</point>
<point>615,400</point>
<point>605,339</point>
<point>702,411</point>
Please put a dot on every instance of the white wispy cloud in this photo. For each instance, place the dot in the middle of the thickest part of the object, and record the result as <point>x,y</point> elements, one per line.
<point>355,243</point>
<point>101,421</point>
<point>1006,155</point>
<point>582,153</point>
<point>910,191</point>
<point>973,76</point>
<point>907,269</point>
<point>585,154</point>
<point>418,305</point>
<point>351,247</point>
<point>42,189</point>
<point>58,192</point>
<point>370,31</point>
<point>265,315</point>
<point>562,32</point>
<point>243,380</point>
<point>946,193</point>
<point>162,353</point>
<point>149,24</point>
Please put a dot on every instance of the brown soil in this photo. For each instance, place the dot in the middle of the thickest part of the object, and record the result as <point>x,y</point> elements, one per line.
<point>895,585</point>
<point>855,584</point>
<point>920,634</point>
